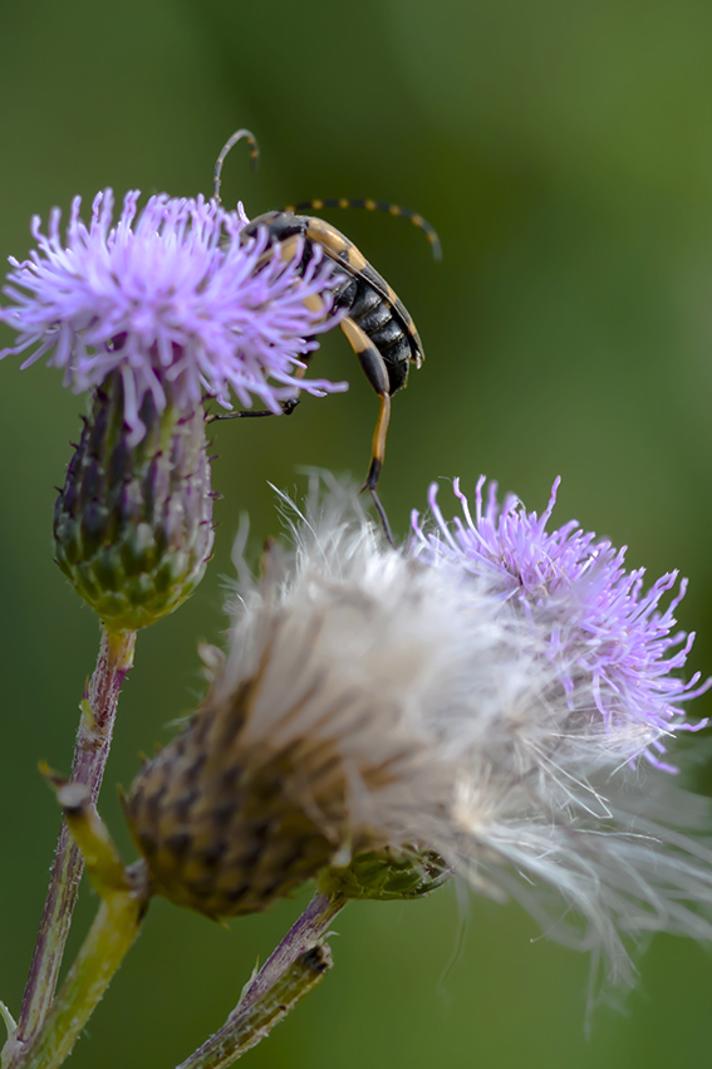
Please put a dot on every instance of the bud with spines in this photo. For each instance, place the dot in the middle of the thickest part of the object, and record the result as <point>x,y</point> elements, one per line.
<point>133,522</point>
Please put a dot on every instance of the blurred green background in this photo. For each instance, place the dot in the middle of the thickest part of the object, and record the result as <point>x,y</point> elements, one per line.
<point>564,150</point>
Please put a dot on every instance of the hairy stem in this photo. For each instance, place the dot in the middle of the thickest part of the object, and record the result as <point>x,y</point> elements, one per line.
<point>295,967</point>
<point>91,750</point>
<point>110,937</point>
<point>124,897</point>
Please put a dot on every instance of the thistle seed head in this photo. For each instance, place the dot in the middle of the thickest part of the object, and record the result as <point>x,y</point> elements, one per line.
<point>304,745</point>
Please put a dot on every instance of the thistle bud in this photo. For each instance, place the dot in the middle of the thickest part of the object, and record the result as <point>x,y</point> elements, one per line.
<point>133,522</point>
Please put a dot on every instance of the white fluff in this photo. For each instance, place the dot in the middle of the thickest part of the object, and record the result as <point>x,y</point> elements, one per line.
<point>453,735</point>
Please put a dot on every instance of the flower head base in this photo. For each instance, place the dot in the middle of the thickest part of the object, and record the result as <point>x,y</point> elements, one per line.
<point>172,298</point>
<point>613,643</point>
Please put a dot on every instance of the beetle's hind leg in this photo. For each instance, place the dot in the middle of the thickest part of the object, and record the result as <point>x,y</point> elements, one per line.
<point>376,372</point>
<point>378,449</point>
<point>378,442</point>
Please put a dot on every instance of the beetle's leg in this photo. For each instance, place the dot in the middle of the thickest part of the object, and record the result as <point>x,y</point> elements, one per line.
<point>287,406</point>
<point>378,449</point>
<point>377,374</point>
<point>378,442</point>
<point>253,413</point>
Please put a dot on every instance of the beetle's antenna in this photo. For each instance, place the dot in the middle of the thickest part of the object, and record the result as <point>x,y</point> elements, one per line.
<point>239,135</point>
<point>319,203</point>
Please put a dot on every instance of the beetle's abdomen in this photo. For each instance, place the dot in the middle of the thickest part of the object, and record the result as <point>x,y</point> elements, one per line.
<point>380,322</point>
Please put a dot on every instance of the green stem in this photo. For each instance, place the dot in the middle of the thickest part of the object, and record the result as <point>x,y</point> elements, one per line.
<point>124,896</point>
<point>91,752</point>
<point>111,936</point>
<point>293,969</point>
<point>7,1019</point>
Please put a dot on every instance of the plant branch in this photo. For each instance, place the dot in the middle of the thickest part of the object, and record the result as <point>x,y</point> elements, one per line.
<point>124,896</point>
<point>93,742</point>
<point>293,969</point>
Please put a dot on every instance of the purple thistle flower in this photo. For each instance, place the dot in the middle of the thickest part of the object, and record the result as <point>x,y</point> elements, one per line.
<point>174,300</point>
<point>614,645</point>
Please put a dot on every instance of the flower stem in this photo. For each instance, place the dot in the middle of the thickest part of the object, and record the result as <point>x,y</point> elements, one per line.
<point>295,967</point>
<point>110,937</point>
<point>91,750</point>
<point>124,897</point>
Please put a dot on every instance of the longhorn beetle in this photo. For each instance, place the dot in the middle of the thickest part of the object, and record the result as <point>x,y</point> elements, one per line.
<point>377,325</point>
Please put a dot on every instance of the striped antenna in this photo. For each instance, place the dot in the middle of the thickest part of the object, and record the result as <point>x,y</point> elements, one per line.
<point>239,135</point>
<point>319,203</point>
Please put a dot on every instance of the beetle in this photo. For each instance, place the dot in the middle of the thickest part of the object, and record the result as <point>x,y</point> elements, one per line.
<point>376,323</point>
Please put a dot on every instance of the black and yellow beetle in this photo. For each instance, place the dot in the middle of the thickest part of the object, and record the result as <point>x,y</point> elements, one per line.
<point>377,324</point>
